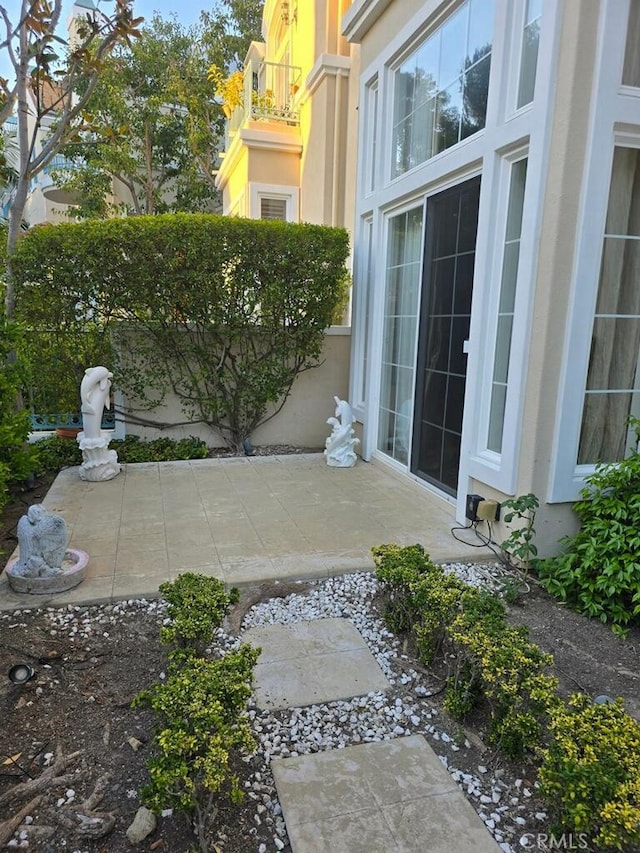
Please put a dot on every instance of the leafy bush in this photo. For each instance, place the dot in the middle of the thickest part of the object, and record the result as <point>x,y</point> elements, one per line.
<point>200,707</point>
<point>590,775</point>
<point>598,572</point>
<point>132,449</point>
<point>465,628</point>
<point>17,458</point>
<point>225,312</point>
<point>53,453</point>
<point>500,664</point>
<point>197,606</point>
<point>520,542</point>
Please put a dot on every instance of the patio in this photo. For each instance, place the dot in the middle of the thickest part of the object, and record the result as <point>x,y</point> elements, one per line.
<point>244,520</point>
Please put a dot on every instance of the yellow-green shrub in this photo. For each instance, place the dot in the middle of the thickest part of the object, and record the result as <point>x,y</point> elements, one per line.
<point>486,659</point>
<point>590,774</point>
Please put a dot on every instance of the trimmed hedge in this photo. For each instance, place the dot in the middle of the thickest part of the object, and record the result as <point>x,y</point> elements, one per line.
<point>225,312</point>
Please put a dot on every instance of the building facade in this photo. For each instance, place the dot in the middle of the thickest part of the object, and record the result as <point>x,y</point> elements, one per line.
<point>292,141</point>
<point>496,322</point>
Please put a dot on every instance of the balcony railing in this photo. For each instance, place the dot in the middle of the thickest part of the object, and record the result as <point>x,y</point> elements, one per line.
<point>269,94</point>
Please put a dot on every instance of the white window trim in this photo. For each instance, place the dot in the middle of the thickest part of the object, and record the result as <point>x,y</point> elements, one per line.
<point>529,129</point>
<point>259,191</point>
<point>376,342</point>
<point>362,291</point>
<point>371,132</point>
<point>506,132</point>
<point>613,121</point>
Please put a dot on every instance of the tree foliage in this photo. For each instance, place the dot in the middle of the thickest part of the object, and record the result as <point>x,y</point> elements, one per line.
<point>48,74</point>
<point>223,312</point>
<point>152,123</point>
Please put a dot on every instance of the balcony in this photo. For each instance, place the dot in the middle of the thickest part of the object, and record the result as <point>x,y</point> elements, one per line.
<point>269,94</point>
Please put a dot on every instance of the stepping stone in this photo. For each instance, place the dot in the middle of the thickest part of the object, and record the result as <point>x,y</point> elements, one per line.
<point>377,798</point>
<point>311,662</point>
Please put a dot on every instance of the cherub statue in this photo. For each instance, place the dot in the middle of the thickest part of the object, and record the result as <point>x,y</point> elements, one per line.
<point>42,540</point>
<point>339,446</point>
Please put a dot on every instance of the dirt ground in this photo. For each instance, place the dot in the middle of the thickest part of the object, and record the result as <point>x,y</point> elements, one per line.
<point>73,728</point>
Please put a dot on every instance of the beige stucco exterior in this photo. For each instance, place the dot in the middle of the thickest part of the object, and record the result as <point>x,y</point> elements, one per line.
<point>308,156</point>
<point>579,43</point>
<point>556,257</point>
<point>301,423</point>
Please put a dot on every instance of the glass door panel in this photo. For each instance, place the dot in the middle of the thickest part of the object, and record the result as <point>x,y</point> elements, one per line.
<point>445,315</point>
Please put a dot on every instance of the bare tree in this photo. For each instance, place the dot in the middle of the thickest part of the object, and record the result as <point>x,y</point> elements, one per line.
<point>45,91</point>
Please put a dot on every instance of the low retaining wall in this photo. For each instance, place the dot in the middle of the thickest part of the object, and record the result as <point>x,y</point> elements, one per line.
<point>302,422</point>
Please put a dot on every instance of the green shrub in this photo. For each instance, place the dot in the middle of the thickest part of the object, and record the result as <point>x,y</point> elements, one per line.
<point>598,572</point>
<point>501,665</point>
<point>133,449</point>
<point>520,544</point>
<point>17,458</point>
<point>54,453</point>
<point>590,774</point>
<point>197,606</point>
<point>419,597</point>
<point>465,628</point>
<point>200,708</point>
<point>224,312</point>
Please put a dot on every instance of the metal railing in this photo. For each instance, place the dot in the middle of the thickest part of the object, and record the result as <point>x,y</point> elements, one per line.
<point>269,94</point>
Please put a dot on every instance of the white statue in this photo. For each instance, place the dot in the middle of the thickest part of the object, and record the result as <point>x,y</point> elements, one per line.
<point>339,446</point>
<point>94,393</point>
<point>98,463</point>
<point>44,564</point>
<point>42,541</point>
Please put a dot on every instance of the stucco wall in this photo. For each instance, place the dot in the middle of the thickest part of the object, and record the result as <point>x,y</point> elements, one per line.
<point>392,20</point>
<point>302,421</point>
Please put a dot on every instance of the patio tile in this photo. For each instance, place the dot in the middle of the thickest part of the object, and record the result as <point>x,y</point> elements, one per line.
<point>331,520</point>
<point>247,570</point>
<point>310,662</point>
<point>209,570</point>
<point>379,797</point>
<point>140,583</point>
<point>196,555</point>
<point>438,818</point>
<point>131,562</point>
<point>101,566</point>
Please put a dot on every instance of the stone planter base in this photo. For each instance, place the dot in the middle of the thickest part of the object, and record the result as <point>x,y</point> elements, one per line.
<point>74,571</point>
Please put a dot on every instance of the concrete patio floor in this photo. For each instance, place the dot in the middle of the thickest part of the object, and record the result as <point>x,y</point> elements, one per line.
<point>245,520</point>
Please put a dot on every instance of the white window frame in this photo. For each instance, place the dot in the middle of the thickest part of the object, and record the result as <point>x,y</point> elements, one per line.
<point>372,137</point>
<point>506,136</point>
<point>362,295</point>
<point>259,191</point>
<point>613,122</point>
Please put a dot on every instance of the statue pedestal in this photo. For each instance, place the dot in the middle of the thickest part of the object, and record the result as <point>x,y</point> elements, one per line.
<point>72,572</point>
<point>98,463</point>
<point>344,456</point>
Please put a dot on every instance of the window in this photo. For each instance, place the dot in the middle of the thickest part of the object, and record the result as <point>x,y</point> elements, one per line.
<point>631,68</point>
<point>529,57</point>
<point>399,335</point>
<point>273,208</point>
<point>510,258</point>
<point>272,201</point>
<point>371,134</point>
<point>440,90</point>
<point>362,316</point>
<point>613,392</point>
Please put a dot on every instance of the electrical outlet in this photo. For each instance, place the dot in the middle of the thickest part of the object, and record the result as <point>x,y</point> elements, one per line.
<point>488,510</point>
<point>471,509</point>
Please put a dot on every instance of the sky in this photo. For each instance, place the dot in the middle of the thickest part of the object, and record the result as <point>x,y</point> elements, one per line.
<point>187,12</point>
